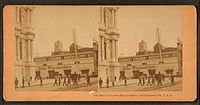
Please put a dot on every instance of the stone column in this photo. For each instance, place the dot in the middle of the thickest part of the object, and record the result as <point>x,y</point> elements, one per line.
<point>17,16</point>
<point>102,15</point>
<point>18,47</point>
<point>113,50</point>
<point>102,45</point>
<point>113,18</point>
<point>116,50</point>
<point>28,18</point>
<point>31,18</point>
<point>29,50</point>
<point>99,49</point>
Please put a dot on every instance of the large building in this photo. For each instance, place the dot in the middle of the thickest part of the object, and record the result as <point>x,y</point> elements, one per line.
<point>166,60</point>
<point>108,44</point>
<point>79,60</point>
<point>24,37</point>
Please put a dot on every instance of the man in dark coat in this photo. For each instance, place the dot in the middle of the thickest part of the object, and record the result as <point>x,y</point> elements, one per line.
<point>88,80</point>
<point>55,83</point>
<point>125,80</point>
<point>140,81</point>
<point>100,82</point>
<point>148,81</point>
<point>172,80</point>
<point>64,82</point>
<point>41,81</point>
<point>16,82</point>
<point>69,81</point>
<point>59,81</point>
<point>23,81</point>
<point>143,81</point>
<point>107,82</point>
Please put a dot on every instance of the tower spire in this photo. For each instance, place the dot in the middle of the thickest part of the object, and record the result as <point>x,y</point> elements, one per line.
<point>74,37</point>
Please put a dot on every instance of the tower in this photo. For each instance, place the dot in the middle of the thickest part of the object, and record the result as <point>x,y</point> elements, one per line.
<point>179,54</point>
<point>108,44</point>
<point>58,46</point>
<point>142,46</point>
<point>24,37</point>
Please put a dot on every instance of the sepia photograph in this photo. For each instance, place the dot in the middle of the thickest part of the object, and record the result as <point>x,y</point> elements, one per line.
<point>56,49</point>
<point>140,49</point>
<point>99,53</point>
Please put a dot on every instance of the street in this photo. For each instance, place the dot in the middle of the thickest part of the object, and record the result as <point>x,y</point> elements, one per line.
<point>132,85</point>
<point>48,86</point>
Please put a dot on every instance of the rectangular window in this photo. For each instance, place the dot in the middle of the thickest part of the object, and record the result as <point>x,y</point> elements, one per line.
<point>60,63</point>
<point>144,63</point>
<point>44,64</point>
<point>128,64</point>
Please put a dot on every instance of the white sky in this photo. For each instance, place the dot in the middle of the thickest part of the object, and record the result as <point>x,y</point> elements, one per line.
<point>140,23</point>
<point>134,23</point>
<point>56,23</point>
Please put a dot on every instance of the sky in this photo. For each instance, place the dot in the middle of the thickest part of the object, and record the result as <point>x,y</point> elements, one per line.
<point>56,23</point>
<point>134,23</point>
<point>140,23</point>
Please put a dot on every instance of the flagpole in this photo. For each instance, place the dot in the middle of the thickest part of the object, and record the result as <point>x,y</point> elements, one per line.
<point>74,36</point>
<point>160,49</point>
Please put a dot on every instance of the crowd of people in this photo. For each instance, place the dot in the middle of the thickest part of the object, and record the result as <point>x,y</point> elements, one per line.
<point>155,80</point>
<point>69,80</point>
<point>28,82</point>
<point>113,82</point>
<point>152,80</point>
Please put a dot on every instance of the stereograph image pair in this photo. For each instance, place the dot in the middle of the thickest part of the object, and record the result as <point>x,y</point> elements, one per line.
<point>108,48</point>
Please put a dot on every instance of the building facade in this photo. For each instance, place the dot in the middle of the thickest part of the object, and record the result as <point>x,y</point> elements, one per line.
<point>63,63</point>
<point>24,37</point>
<point>145,62</point>
<point>108,44</point>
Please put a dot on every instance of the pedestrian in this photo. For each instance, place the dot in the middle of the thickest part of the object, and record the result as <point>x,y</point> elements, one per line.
<point>163,77</point>
<point>16,82</point>
<point>69,81</point>
<point>79,77</point>
<point>30,78</point>
<point>115,78</point>
<point>29,84</point>
<point>55,83</point>
<point>75,78</point>
<point>64,82</point>
<point>41,81</point>
<point>143,81</point>
<point>23,82</point>
<point>153,81</point>
<point>140,81</point>
<point>59,80</point>
<point>100,82</point>
<point>113,83</point>
<point>35,78</point>
<point>148,81</point>
<point>125,80</point>
<point>172,80</point>
<point>159,81</point>
<point>107,82</point>
<point>88,80</point>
